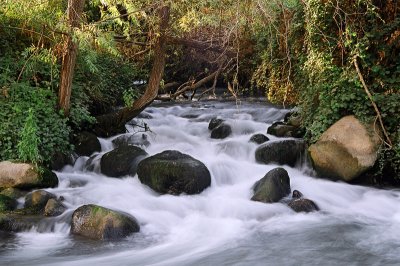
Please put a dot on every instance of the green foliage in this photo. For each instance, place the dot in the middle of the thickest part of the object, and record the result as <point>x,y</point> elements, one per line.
<point>28,146</point>
<point>19,135</point>
<point>129,96</point>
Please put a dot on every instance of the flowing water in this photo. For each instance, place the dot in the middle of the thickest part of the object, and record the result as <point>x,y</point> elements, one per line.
<point>221,226</point>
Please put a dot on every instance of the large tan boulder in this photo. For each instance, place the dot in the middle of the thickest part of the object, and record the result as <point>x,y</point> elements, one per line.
<point>25,176</point>
<point>346,150</point>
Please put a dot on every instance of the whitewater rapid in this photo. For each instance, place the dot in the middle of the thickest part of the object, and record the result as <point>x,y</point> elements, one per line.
<point>221,226</point>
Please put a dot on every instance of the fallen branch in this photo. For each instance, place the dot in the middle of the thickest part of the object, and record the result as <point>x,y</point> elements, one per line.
<point>388,141</point>
<point>196,85</point>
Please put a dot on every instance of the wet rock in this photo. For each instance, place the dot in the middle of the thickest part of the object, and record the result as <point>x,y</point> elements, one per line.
<point>222,131</point>
<point>346,150</point>
<point>303,205</point>
<point>12,222</point>
<point>93,163</point>
<point>86,144</point>
<point>297,194</point>
<point>25,176</point>
<point>134,139</point>
<point>280,129</point>
<point>259,138</point>
<point>273,187</point>
<point>144,115</point>
<point>281,152</point>
<point>7,203</point>
<point>59,160</point>
<point>38,199</point>
<point>121,161</point>
<point>174,173</point>
<point>214,122</point>
<point>99,223</point>
<point>13,193</point>
<point>54,207</point>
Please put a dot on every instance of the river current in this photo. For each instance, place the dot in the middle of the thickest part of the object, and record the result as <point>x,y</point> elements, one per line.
<point>221,226</point>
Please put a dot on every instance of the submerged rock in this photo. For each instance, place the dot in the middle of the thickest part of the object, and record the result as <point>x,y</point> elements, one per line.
<point>25,176</point>
<point>222,131</point>
<point>99,223</point>
<point>7,203</point>
<point>288,151</point>
<point>86,143</point>
<point>346,150</point>
<point>134,139</point>
<point>214,122</point>
<point>303,205</point>
<point>281,129</point>
<point>174,173</point>
<point>121,161</point>
<point>273,187</point>
<point>259,138</point>
<point>12,222</point>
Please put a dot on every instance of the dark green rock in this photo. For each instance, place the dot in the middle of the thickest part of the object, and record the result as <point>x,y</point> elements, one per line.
<point>288,152</point>
<point>7,203</point>
<point>13,193</point>
<point>86,143</point>
<point>121,161</point>
<point>273,187</point>
<point>99,223</point>
<point>174,173</point>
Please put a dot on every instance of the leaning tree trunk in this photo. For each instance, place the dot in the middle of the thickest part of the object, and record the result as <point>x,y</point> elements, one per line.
<point>114,123</point>
<point>75,9</point>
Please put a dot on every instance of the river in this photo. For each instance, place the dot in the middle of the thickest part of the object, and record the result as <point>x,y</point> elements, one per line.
<point>221,226</point>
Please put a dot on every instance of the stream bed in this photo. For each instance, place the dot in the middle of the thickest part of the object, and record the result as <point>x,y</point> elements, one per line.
<point>221,226</point>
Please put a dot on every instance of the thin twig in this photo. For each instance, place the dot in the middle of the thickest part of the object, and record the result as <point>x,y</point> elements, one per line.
<point>388,141</point>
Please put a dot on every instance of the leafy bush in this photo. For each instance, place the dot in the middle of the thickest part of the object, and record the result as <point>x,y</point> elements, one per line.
<point>28,146</point>
<point>52,131</point>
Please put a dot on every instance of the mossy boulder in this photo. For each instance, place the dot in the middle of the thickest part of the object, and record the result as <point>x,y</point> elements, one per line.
<point>86,144</point>
<point>172,172</point>
<point>273,187</point>
<point>259,138</point>
<point>121,161</point>
<point>25,176</point>
<point>99,223</point>
<point>280,129</point>
<point>7,203</point>
<point>346,150</point>
<point>288,151</point>
<point>222,131</point>
<point>13,193</point>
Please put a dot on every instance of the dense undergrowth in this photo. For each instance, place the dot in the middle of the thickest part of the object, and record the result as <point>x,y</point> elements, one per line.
<point>309,62</point>
<point>298,52</point>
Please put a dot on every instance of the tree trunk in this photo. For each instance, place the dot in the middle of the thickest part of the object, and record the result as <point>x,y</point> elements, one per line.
<point>111,124</point>
<point>75,9</point>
